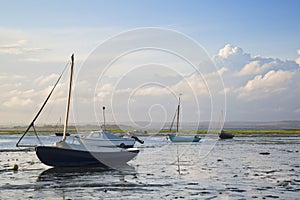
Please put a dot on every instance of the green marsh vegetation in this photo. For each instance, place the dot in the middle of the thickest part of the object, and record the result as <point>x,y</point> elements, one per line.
<point>45,130</point>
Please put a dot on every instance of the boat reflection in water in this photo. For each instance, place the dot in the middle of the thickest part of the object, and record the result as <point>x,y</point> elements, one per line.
<point>69,172</point>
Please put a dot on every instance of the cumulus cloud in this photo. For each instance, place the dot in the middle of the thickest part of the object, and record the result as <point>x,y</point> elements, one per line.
<point>258,87</point>
<point>231,57</point>
<point>240,63</point>
<point>248,80</point>
<point>230,50</point>
<point>46,80</point>
<point>255,67</point>
<point>263,86</point>
<point>16,101</point>
<point>21,93</point>
<point>246,73</point>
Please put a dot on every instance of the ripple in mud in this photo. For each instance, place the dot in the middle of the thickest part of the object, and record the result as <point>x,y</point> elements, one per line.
<point>264,188</point>
<point>264,153</point>
<point>271,196</point>
<point>235,189</point>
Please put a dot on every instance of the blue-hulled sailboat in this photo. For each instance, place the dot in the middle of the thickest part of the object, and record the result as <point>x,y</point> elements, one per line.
<point>175,137</point>
<point>65,154</point>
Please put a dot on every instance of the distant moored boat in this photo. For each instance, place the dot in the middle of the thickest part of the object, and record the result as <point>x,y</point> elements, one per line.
<point>225,135</point>
<point>176,138</point>
<point>61,134</point>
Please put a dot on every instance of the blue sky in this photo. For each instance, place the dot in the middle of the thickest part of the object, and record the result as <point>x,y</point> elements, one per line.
<point>254,44</point>
<point>264,25</point>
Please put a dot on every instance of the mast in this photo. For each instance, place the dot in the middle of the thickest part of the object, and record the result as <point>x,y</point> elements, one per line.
<point>178,109</point>
<point>220,122</point>
<point>104,128</point>
<point>69,99</point>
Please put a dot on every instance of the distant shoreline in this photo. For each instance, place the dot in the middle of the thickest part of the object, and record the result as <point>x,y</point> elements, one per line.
<point>162,132</point>
<point>144,125</point>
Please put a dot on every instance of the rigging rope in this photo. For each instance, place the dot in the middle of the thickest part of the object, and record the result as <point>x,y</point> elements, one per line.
<point>39,112</point>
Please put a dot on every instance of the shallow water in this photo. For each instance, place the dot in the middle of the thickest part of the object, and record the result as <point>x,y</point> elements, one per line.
<point>249,166</point>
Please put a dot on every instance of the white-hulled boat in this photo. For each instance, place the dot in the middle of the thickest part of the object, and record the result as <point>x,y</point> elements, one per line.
<point>106,139</point>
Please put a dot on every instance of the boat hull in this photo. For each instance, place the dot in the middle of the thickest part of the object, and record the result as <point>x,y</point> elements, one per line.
<point>225,135</point>
<point>60,157</point>
<point>175,138</point>
<point>108,143</point>
<point>61,134</point>
<point>106,139</point>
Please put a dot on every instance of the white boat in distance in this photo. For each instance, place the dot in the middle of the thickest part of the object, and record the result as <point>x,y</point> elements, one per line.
<point>106,139</point>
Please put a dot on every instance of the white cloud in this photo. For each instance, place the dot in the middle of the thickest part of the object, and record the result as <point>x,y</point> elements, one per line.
<point>152,91</point>
<point>255,77</point>
<point>15,102</point>
<point>240,63</point>
<point>49,45</point>
<point>231,57</point>
<point>250,68</point>
<point>195,89</point>
<point>255,67</point>
<point>205,83</point>
<point>230,50</point>
<point>46,80</point>
<point>195,84</point>
<point>263,86</point>
<point>104,92</point>
<point>18,48</point>
<point>20,102</point>
<point>246,77</point>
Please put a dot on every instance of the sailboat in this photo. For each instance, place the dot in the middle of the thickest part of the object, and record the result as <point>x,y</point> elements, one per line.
<point>225,135</point>
<point>59,133</point>
<point>66,154</point>
<point>222,133</point>
<point>176,138</point>
<point>104,138</point>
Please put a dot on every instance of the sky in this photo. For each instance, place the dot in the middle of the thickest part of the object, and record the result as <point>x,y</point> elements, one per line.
<point>254,46</point>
